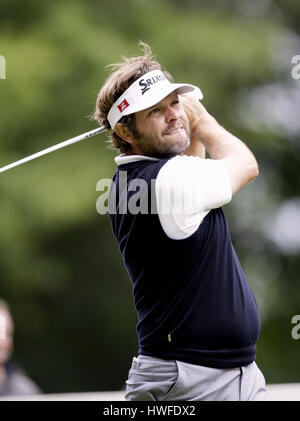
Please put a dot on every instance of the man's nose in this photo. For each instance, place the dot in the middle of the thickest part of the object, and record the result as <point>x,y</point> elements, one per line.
<point>171,114</point>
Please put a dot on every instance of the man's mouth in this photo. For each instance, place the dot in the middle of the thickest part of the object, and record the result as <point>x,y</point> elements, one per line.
<point>173,131</point>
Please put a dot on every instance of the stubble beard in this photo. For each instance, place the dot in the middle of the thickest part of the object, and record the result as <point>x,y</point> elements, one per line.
<point>158,147</point>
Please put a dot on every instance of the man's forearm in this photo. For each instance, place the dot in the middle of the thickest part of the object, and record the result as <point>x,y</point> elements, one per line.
<point>218,142</point>
<point>196,148</point>
<point>221,145</point>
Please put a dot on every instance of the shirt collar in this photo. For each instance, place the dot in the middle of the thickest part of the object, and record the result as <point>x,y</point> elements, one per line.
<point>126,159</point>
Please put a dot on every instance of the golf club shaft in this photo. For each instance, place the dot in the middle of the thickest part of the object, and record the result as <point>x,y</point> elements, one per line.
<point>55,147</point>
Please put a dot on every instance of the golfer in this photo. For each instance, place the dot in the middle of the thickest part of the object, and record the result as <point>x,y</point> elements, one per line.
<point>198,321</point>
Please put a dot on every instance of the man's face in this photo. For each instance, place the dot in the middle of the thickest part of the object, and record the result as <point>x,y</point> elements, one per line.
<point>6,344</point>
<point>162,129</point>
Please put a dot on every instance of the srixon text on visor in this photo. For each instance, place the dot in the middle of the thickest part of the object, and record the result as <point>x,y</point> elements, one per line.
<point>146,83</point>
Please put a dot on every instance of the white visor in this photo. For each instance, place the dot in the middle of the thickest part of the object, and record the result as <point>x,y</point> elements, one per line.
<point>145,92</point>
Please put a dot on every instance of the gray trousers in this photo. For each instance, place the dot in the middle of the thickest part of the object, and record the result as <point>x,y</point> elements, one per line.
<point>154,379</point>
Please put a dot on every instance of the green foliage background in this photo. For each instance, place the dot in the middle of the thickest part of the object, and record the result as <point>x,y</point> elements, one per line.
<point>60,268</point>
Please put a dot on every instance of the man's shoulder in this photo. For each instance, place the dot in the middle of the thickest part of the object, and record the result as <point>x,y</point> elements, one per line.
<point>18,383</point>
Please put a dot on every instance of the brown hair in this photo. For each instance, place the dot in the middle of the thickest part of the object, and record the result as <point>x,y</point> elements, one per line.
<point>124,74</point>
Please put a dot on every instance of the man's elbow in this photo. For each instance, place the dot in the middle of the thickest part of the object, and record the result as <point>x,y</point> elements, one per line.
<point>241,172</point>
<point>249,172</point>
<point>253,170</point>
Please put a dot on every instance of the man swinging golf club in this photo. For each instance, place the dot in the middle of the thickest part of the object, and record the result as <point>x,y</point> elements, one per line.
<point>198,321</point>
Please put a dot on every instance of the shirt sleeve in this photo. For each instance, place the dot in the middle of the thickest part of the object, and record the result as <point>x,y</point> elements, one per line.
<point>187,188</point>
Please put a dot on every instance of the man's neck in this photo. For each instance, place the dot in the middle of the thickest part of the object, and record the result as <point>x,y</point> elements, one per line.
<point>152,155</point>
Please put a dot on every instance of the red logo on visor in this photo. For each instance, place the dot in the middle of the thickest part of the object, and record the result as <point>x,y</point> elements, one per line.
<point>124,104</point>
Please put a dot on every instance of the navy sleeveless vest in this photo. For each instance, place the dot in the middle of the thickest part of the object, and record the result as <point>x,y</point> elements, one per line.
<point>192,299</point>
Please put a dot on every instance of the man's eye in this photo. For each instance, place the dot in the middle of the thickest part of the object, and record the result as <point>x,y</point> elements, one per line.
<point>155,110</point>
<point>175,102</point>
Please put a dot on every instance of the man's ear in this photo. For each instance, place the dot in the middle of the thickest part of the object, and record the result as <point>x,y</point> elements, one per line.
<point>124,133</point>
